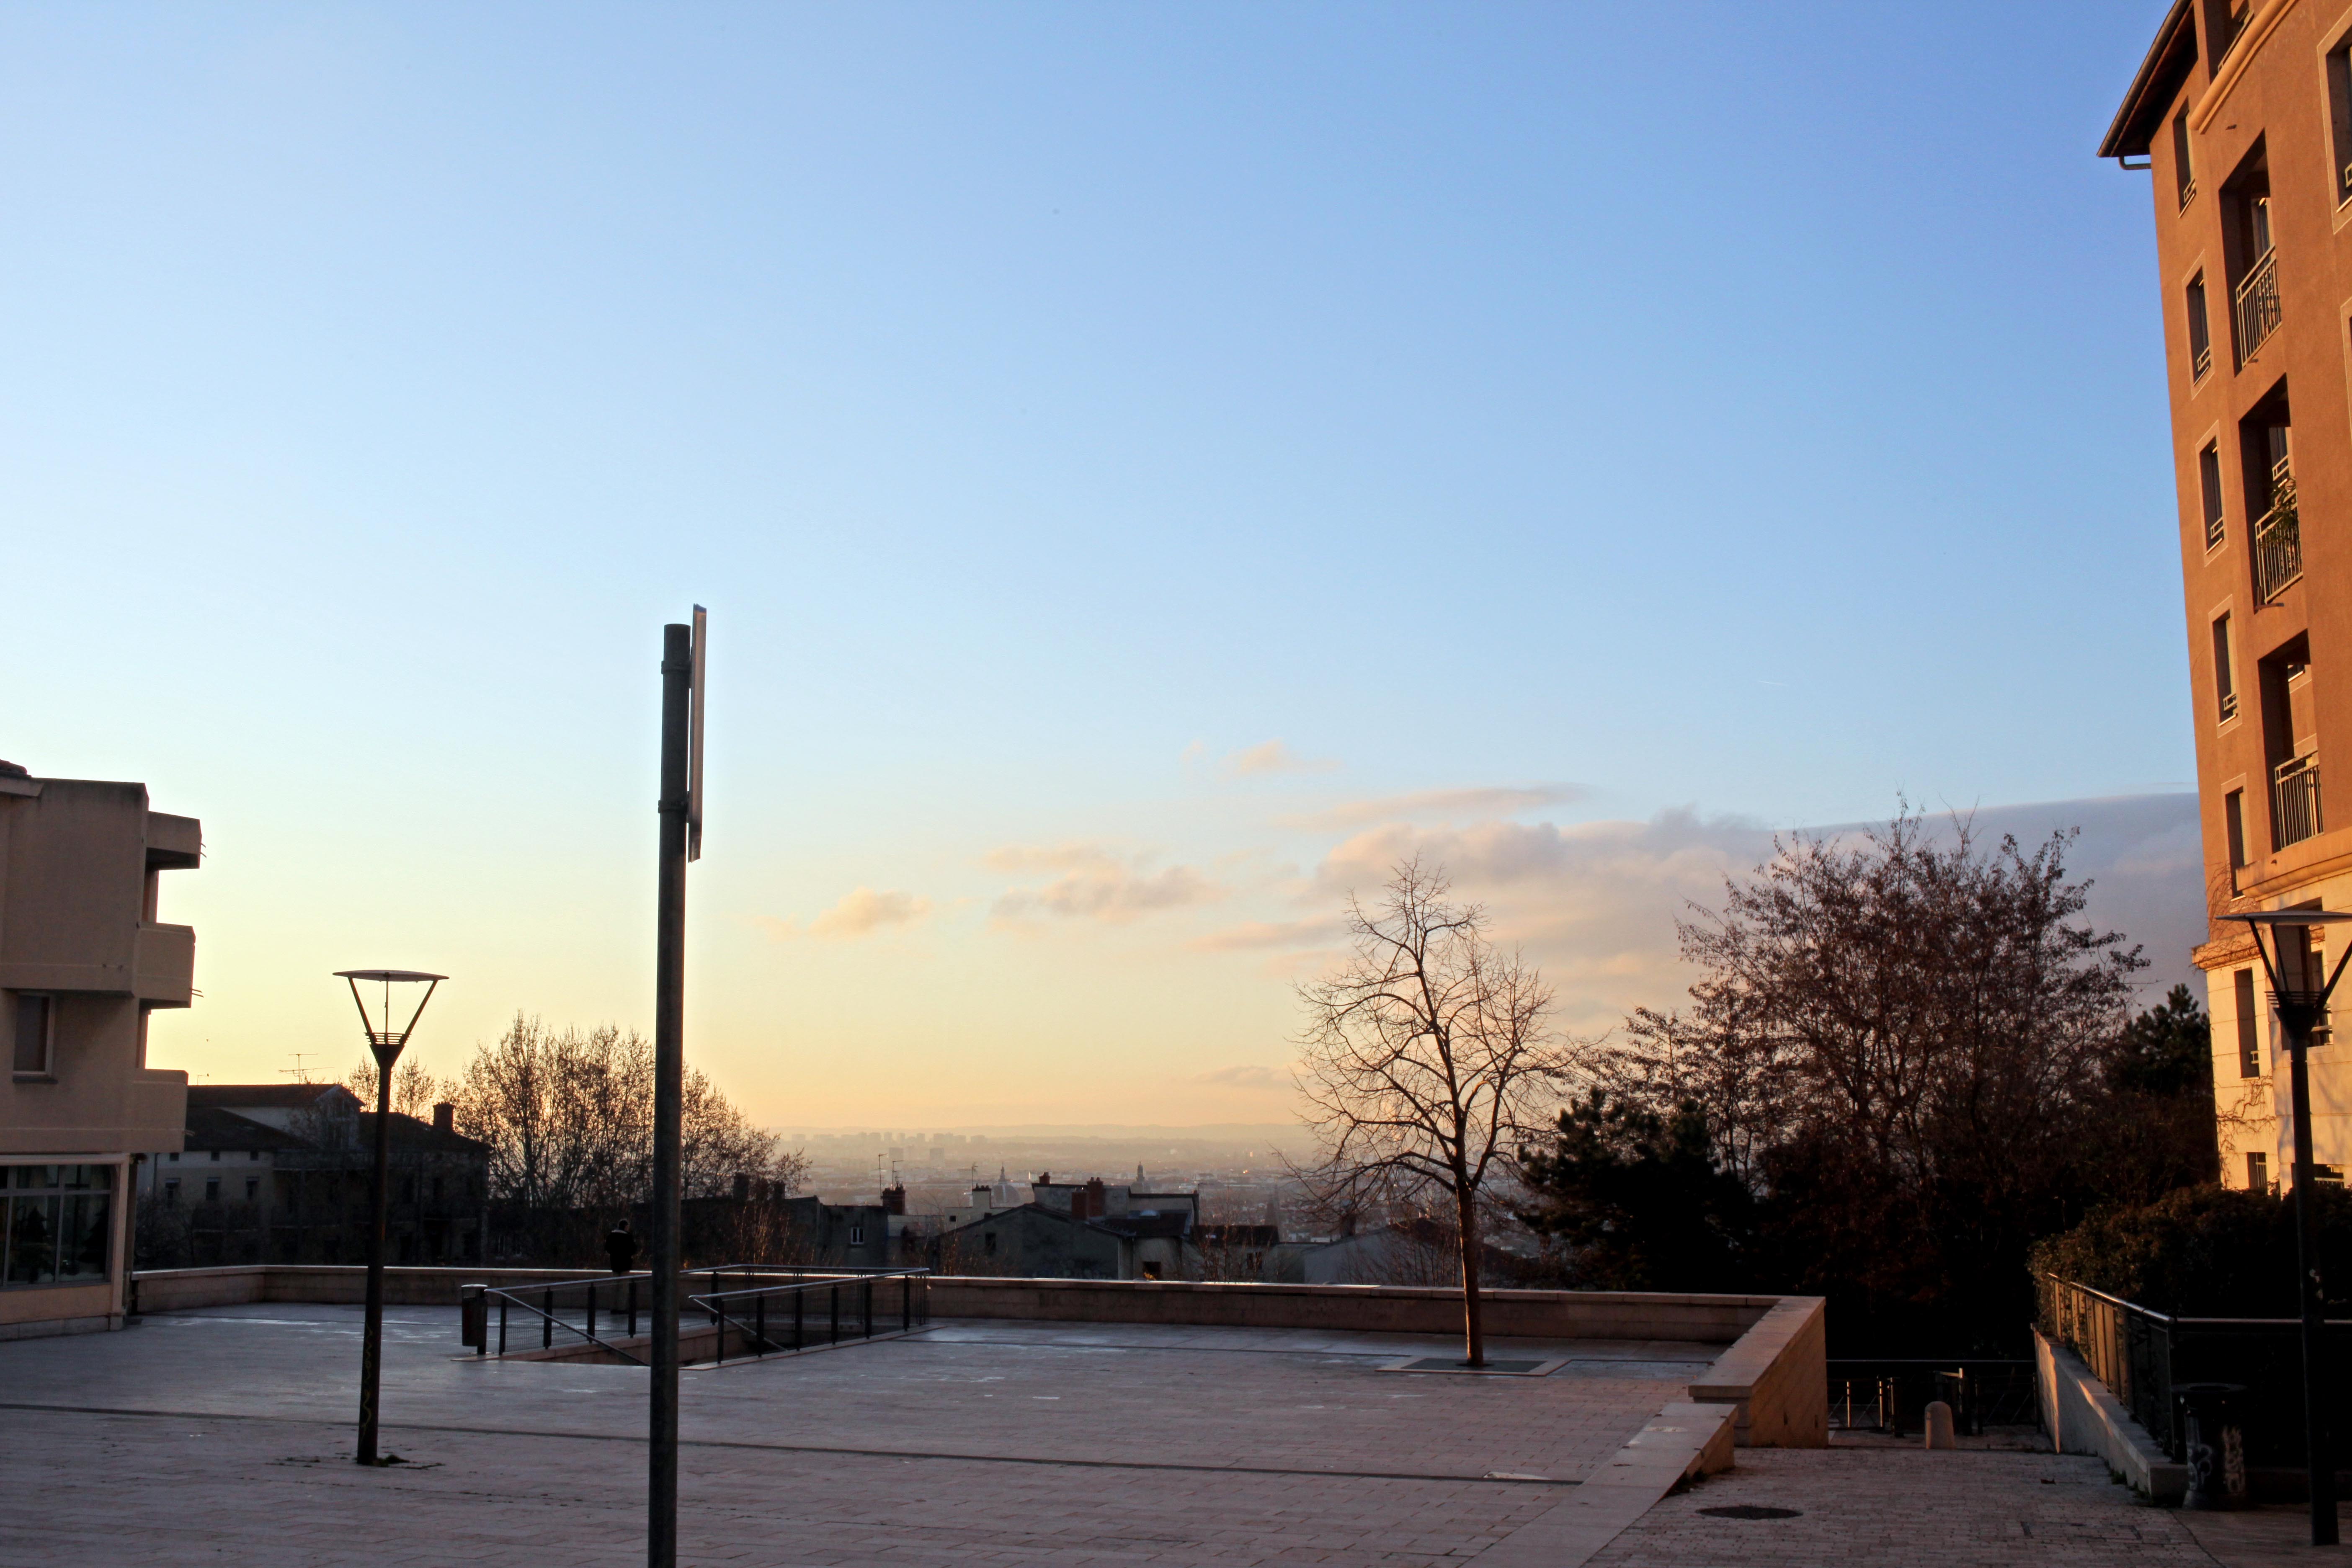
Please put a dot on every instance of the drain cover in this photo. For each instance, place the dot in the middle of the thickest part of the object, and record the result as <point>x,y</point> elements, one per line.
<point>1449,1363</point>
<point>1751,1510</point>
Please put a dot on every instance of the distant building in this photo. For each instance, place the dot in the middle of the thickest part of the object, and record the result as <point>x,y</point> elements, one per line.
<point>1085,1230</point>
<point>2243,112</point>
<point>83,960</point>
<point>281,1173</point>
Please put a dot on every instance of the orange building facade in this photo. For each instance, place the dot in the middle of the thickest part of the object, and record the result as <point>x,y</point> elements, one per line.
<point>2243,114</point>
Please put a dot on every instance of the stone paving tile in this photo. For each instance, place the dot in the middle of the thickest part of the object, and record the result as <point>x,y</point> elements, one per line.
<point>982,1444</point>
<point>1967,1509</point>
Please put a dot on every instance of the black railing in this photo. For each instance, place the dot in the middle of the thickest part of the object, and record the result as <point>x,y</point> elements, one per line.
<point>2294,800</point>
<point>2143,1355</point>
<point>2278,541</point>
<point>749,1303</point>
<point>1892,1396</point>
<point>2258,306</point>
<point>575,1307</point>
<point>830,1308</point>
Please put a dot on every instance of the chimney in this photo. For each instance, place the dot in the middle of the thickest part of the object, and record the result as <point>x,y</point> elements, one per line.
<point>444,1118</point>
<point>894,1199</point>
<point>1088,1202</point>
<point>742,1186</point>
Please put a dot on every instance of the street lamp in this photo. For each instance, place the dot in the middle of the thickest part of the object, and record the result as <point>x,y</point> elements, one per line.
<point>385,1040</point>
<point>2300,1008</point>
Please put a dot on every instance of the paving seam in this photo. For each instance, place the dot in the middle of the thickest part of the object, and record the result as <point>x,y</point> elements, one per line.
<point>1488,1480</point>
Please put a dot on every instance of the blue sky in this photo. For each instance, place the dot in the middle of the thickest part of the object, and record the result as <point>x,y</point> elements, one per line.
<point>1748,414</point>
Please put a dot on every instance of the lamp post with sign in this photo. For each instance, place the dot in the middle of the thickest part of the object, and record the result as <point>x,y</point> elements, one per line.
<point>2299,997</point>
<point>386,1038</point>
<point>682,668</point>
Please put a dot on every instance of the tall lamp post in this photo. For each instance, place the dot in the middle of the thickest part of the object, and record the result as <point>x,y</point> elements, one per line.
<point>385,1040</point>
<point>683,669</point>
<point>2300,1006</point>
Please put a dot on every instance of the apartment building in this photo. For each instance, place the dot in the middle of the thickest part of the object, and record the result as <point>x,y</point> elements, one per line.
<point>83,962</point>
<point>2242,113</point>
<point>282,1173</point>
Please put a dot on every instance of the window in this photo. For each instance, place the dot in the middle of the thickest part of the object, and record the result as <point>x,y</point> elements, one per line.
<point>1151,1271</point>
<point>54,1228</point>
<point>2225,688</point>
<point>2250,1044</point>
<point>252,1189</point>
<point>2258,1173</point>
<point>2184,174</point>
<point>856,1236</point>
<point>2339,119</point>
<point>2233,822</point>
<point>215,1156</point>
<point>211,1189</point>
<point>172,1190</point>
<point>2209,485</point>
<point>35,1031</point>
<point>174,1159</point>
<point>988,1242</point>
<point>254,1154</point>
<point>2201,333</point>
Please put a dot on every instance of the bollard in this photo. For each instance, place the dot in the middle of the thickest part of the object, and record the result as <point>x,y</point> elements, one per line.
<point>473,1318</point>
<point>1940,1426</point>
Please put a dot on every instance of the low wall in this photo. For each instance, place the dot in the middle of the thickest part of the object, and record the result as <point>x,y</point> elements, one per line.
<point>1360,1309</point>
<point>182,1290</point>
<point>2083,1417</point>
<point>1777,1375</point>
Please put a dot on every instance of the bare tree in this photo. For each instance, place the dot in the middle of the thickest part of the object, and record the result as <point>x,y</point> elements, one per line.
<point>1426,1061</point>
<point>413,1090</point>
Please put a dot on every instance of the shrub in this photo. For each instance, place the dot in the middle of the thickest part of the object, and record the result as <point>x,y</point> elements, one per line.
<point>2204,1251</point>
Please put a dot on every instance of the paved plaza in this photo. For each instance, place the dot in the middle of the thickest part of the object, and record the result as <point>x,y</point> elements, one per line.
<point>223,1436</point>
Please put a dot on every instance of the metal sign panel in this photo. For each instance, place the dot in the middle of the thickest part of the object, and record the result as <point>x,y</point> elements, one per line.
<point>694,726</point>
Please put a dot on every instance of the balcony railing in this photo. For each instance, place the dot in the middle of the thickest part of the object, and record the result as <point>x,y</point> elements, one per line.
<point>2278,540</point>
<point>2294,800</point>
<point>2258,306</point>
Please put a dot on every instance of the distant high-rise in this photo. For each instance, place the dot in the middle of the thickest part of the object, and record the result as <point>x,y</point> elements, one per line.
<point>2243,112</point>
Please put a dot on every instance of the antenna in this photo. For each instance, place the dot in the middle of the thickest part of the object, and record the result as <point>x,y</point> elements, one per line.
<point>299,1073</point>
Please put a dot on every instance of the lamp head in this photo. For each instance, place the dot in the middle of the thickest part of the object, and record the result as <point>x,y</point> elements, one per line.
<point>386,1033</point>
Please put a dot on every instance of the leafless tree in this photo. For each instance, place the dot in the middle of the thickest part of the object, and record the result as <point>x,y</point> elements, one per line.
<point>1427,1059</point>
<point>413,1088</point>
<point>567,1115</point>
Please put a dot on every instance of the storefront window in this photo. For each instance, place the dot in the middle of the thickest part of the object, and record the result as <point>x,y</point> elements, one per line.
<point>54,1223</point>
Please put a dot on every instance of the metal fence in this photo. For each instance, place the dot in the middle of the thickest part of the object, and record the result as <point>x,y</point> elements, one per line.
<point>759,1310</point>
<point>2294,800</point>
<point>1891,1396</point>
<point>2278,547</point>
<point>2143,1355</point>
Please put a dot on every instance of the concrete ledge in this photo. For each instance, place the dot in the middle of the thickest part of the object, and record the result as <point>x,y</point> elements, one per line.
<point>1775,1377</point>
<point>2085,1418</point>
<point>182,1290</point>
<point>1684,1440</point>
<point>1361,1309</point>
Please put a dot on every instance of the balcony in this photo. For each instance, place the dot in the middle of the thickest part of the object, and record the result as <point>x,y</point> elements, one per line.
<point>2294,800</point>
<point>2258,306</point>
<point>165,970</point>
<point>2278,540</point>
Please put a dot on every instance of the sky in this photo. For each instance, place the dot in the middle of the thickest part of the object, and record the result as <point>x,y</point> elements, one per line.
<point>1148,467</point>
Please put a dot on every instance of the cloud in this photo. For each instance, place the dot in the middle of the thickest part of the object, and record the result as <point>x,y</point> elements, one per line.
<point>1275,757</point>
<point>1269,933</point>
<point>1438,804</point>
<point>1596,903</point>
<point>1093,882</point>
<point>1245,1078</point>
<point>861,913</point>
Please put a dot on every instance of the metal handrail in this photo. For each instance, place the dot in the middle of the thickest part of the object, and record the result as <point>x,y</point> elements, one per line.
<point>549,1321</point>
<point>746,1310</point>
<point>2257,302</point>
